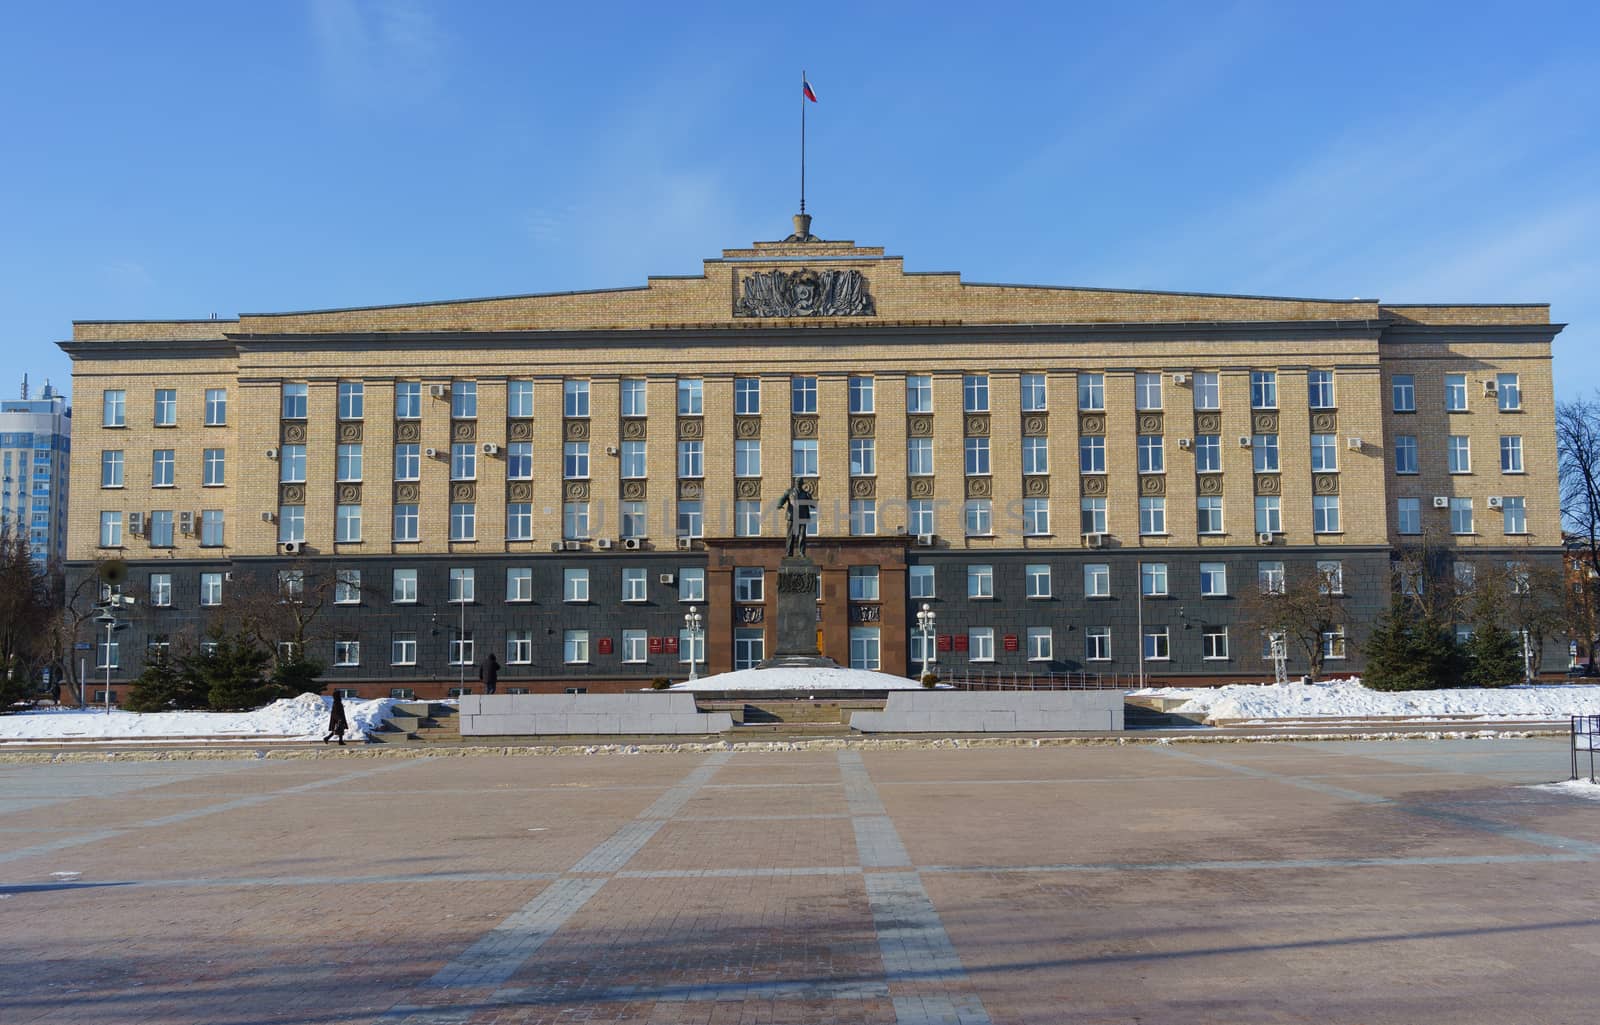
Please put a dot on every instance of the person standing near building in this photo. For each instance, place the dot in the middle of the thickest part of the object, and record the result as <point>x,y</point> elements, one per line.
<point>337,723</point>
<point>489,673</point>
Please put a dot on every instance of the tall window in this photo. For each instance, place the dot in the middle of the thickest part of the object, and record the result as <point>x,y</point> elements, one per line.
<point>1459,448</point>
<point>210,589</point>
<point>1208,453</point>
<point>980,580</point>
<point>1034,397</point>
<point>407,524</point>
<point>691,396</point>
<point>166,407</point>
<point>1152,515</point>
<point>634,585</point>
<point>1092,392</point>
<point>294,401</point>
<point>749,647</point>
<point>1037,576</point>
<point>1330,576</point>
<point>1035,455</point>
<point>1408,515</point>
<point>1153,579</point>
<point>1461,515</point>
<point>575,585</point>
<point>746,396</point>
<point>1270,577</point>
<point>291,523</point>
<point>1213,579</point>
<point>979,515</point>
<point>160,529</point>
<point>292,464</point>
<point>1093,515</point>
<point>114,408</point>
<point>347,587</point>
<point>111,468</point>
<point>863,517</point>
<point>1403,391</point>
<point>691,518</point>
<point>519,460</point>
<point>920,516</point>
<point>463,400</point>
<point>1152,454</point>
<point>519,399</point>
<point>347,523</point>
<point>864,648</point>
<point>347,463</point>
<point>403,648</point>
<point>352,400</point>
<point>634,521</point>
<point>1508,388</point>
<point>1511,453</point>
<point>1269,515</point>
<point>461,647</point>
<point>1514,513</point>
<point>692,584</point>
<point>1147,391</point>
<point>1263,389</point>
<point>1324,453</point>
<point>636,646</point>
<point>1036,517</point>
<point>1405,453</point>
<point>161,589</point>
<point>634,402</point>
<point>863,457</point>
<point>1319,383</point>
<point>463,521</point>
<point>407,461</point>
<point>977,450</point>
<point>575,521</point>
<point>975,393</point>
<point>575,398</point>
<point>803,457</point>
<point>519,647</point>
<point>1096,580</point>
<point>1266,452</point>
<point>919,393</point>
<point>211,528</point>
<point>216,407</point>
<point>1214,643</point>
<point>1325,514</point>
<point>519,521</point>
<point>403,587</point>
<point>1091,454</point>
<point>862,399</point>
<point>164,468</point>
<point>1097,644</point>
<point>408,400</point>
<point>1207,390</point>
<point>463,585</point>
<point>747,519</point>
<point>803,394</point>
<point>575,460</point>
<point>749,584</point>
<point>632,463</point>
<point>919,457</point>
<point>1157,644</point>
<point>1455,393</point>
<point>1208,515</point>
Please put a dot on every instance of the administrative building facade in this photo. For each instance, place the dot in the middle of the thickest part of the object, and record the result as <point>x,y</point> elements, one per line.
<point>1070,479</point>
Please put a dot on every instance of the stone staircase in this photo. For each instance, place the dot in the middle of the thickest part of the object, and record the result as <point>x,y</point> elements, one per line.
<point>1152,713</point>
<point>419,722</point>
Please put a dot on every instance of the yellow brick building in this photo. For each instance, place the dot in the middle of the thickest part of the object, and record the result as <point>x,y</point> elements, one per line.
<point>557,477</point>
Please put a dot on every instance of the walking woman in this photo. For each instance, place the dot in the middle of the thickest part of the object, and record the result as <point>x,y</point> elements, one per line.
<point>337,723</point>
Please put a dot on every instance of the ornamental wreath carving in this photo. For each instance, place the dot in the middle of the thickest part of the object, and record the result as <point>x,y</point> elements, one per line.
<point>350,433</point>
<point>1210,484</point>
<point>747,427</point>
<point>1035,425</point>
<point>1208,423</point>
<point>633,430</point>
<point>519,491</point>
<point>408,430</point>
<point>1149,423</point>
<point>1092,485</point>
<point>634,491</point>
<point>919,426</point>
<point>1325,483</point>
<point>291,494</point>
<point>294,433</point>
<point>1092,423</point>
<point>1036,486</point>
<point>519,430</point>
<point>805,293</point>
<point>464,430</point>
<point>1324,423</point>
<point>407,494</point>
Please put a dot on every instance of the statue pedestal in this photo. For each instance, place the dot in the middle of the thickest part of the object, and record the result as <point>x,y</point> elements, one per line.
<point>797,616</point>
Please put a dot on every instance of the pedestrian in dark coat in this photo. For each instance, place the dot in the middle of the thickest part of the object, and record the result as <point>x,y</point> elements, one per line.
<point>337,723</point>
<point>489,673</point>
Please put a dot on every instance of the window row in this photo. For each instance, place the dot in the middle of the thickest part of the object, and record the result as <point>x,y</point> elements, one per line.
<point>1513,513</point>
<point>1504,389</point>
<point>1458,454</point>
<point>164,407</point>
<point>1153,579</point>
<point>978,644</point>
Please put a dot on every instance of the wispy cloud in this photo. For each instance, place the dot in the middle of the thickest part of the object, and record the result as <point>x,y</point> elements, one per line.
<point>377,52</point>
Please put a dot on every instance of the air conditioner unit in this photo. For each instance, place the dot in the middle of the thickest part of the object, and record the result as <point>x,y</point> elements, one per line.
<point>666,578</point>
<point>611,450</point>
<point>633,544</point>
<point>1264,538</point>
<point>1095,540</point>
<point>268,517</point>
<point>555,546</point>
<point>1244,441</point>
<point>438,391</point>
<point>272,453</point>
<point>685,543</point>
<point>572,546</point>
<point>1353,444</point>
<point>136,523</point>
<point>1180,378</point>
<point>1185,444</point>
<point>603,543</point>
<point>227,577</point>
<point>925,540</point>
<point>431,453</point>
<point>1441,502</point>
<point>292,547</point>
<point>1496,502</point>
<point>1490,388</point>
<point>186,522</point>
<point>491,449</point>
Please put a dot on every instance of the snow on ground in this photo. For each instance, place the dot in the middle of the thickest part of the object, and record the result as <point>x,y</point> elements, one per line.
<point>811,678</point>
<point>1573,788</point>
<point>1349,699</point>
<point>301,718</point>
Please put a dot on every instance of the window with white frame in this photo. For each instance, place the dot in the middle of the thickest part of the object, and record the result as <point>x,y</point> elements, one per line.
<point>352,400</point>
<point>979,516</point>
<point>633,397</point>
<point>1153,579</point>
<point>977,453</point>
<point>863,457</point>
<point>407,524</point>
<point>347,587</point>
<point>1035,399</point>
<point>164,467</point>
<point>802,394</point>
<point>1208,515</point>
<point>463,521</point>
<point>863,517</point>
<point>575,585</point>
<point>920,581</point>
<point>575,521</point>
<point>634,521</point>
<point>114,408</point>
<point>519,583</point>
<point>292,585</point>
<point>747,518</point>
<point>1330,576</point>
<point>920,516</point>
<point>749,647</point>
<point>1213,579</point>
<point>1041,645</point>
<point>1152,515</point>
<point>519,521</point>
<point>1207,390</point>
<point>919,393</point>
<point>980,581</point>
<point>803,457</point>
<point>1408,515</point>
<point>746,458</point>
<point>1324,453</point>
<point>346,652</point>
<point>1455,393</point>
<point>1514,514</point>
<point>1036,517</point>
<point>294,400</point>
<point>1510,453</point>
<point>635,645</point>
<point>1265,447</point>
<point>1269,515</point>
<point>347,524</point>
<point>1092,515</point>
<point>519,399</point>
<point>749,584</point>
<point>575,399</point>
<point>746,396</point>
<point>691,518</point>
<point>1461,515</point>
<point>408,400</point>
<point>691,396</point>
<point>403,589</point>
<point>1096,580</point>
<point>691,584</point>
<point>575,460</point>
<point>691,460</point>
<point>863,583</point>
<point>1097,644</point>
<point>1147,391</point>
<point>975,393</point>
<point>519,647</point>
<point>403,648</point>
<point>632,463</point>
<point>464,460</point>
<point>1157,644</point>
<point>1214,643</point>
<point>1508,389</point>
<point>407,461</point>
<point>862,397</point>
<point>1333,646</point>
<point>111,467</point>
<point>292,464</point>
<point>634,585</point>
<point>1092,392</point>
<point>1459,448</point>
<point>1319,386</point>
<point>1208,453</point>
<point>691,647</point>
<point>216,414</point>
<point>575,647</point>
<point>980,644</point>
<point>1270,577</point>
<point>1091,454</point>
<point>160,589</point>
<point>919,457</point>
<point>160,528</point>
<point>291,523</point>
<point>1325,514</point>
<point>864,648</point>
<point>463,585</point>
<point>1037,576</point>
<point>1263,389</point>
<point>1405,454</point>
<point>210,589</point>
<point>1152,454</point>
<point>1403,393</point>
<point>463,400</point>
<point>1035,455</point>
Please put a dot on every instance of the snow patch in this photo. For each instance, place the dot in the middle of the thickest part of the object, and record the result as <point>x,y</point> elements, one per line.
<point>301,718</point>
<point>1573,788</point>
<point>1349,699</point>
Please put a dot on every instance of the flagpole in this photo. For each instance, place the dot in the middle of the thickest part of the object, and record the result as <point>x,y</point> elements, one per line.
<point>802,140</point>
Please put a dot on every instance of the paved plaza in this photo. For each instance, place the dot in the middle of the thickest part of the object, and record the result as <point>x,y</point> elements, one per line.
<point>1404,882</point>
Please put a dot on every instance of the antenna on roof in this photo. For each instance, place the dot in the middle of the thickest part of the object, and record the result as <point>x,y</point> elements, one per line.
<point>24,386</point>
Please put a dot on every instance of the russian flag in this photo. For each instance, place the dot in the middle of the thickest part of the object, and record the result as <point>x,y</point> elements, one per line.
<point>806,86</point>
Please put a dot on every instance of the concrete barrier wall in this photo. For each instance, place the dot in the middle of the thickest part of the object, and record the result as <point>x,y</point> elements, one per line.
<point>946,711</point>
<point>646,713</point>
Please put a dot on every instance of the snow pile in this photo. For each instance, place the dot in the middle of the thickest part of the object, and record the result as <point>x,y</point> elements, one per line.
<point>809,678</point>
<point>301,718</point>
<point>1349,699</point>
<point>1573,788</point>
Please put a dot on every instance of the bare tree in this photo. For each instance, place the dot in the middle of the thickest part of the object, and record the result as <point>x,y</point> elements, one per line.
<point>67,628</point>
<point>1306,607</point>
<point>1578,460</point>
<point>24,616</point>
<point>284,613</point>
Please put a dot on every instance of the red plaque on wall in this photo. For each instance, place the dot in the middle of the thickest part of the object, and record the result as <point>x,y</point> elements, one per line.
<point>944,642</point>
<point>603,645</point>
<point>655,645</point>
<point>671,645</point>
<point>1011,642</point>
<point>961,642</point>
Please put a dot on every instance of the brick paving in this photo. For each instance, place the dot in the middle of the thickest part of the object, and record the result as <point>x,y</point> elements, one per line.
<point>1401,882</point>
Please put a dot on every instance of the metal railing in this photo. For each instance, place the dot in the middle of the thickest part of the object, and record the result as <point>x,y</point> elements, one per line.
<point>1585,739</point>
<point>966,679</point>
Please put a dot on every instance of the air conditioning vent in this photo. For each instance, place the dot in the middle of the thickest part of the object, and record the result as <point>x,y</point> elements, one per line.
<point>292,547</point>
<point>1244,441</point>
<point>438,391</point>
<point>1095,540</point>
<point>491,449</point>
<point>1185,444</point>
<point>633,544</point>
<point>272,453</point>
<point>186,522</point>
<point>572,546</point>
<point>1265,537</point>
<point>1180,378</point>
<point>603,543</point>
<point>136,523</point>
<point>666,578</point>
<point>1441,502</point>
<point>268,517</point>
<point>556,546</point>
<point>925,540</point>
<point>1496,502</point>
<point>1353,444</point>
<point>431,453</point>
<point>1490,388</point>
<point>611,450</point>
<point>685,543</point>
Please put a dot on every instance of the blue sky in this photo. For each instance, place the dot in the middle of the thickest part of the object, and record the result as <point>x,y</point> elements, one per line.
<point>178,160</point>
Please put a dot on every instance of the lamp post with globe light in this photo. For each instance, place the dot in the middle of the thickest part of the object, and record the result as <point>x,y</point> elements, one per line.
<point>925,618</point>
<point>692,626</point>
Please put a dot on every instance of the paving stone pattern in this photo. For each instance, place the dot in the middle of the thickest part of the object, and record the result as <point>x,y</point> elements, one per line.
<point>1393,882</point>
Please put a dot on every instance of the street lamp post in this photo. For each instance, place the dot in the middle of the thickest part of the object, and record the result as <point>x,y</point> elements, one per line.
<point>691,625</point>
<point>108,617</point>
<point>925,618</point>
